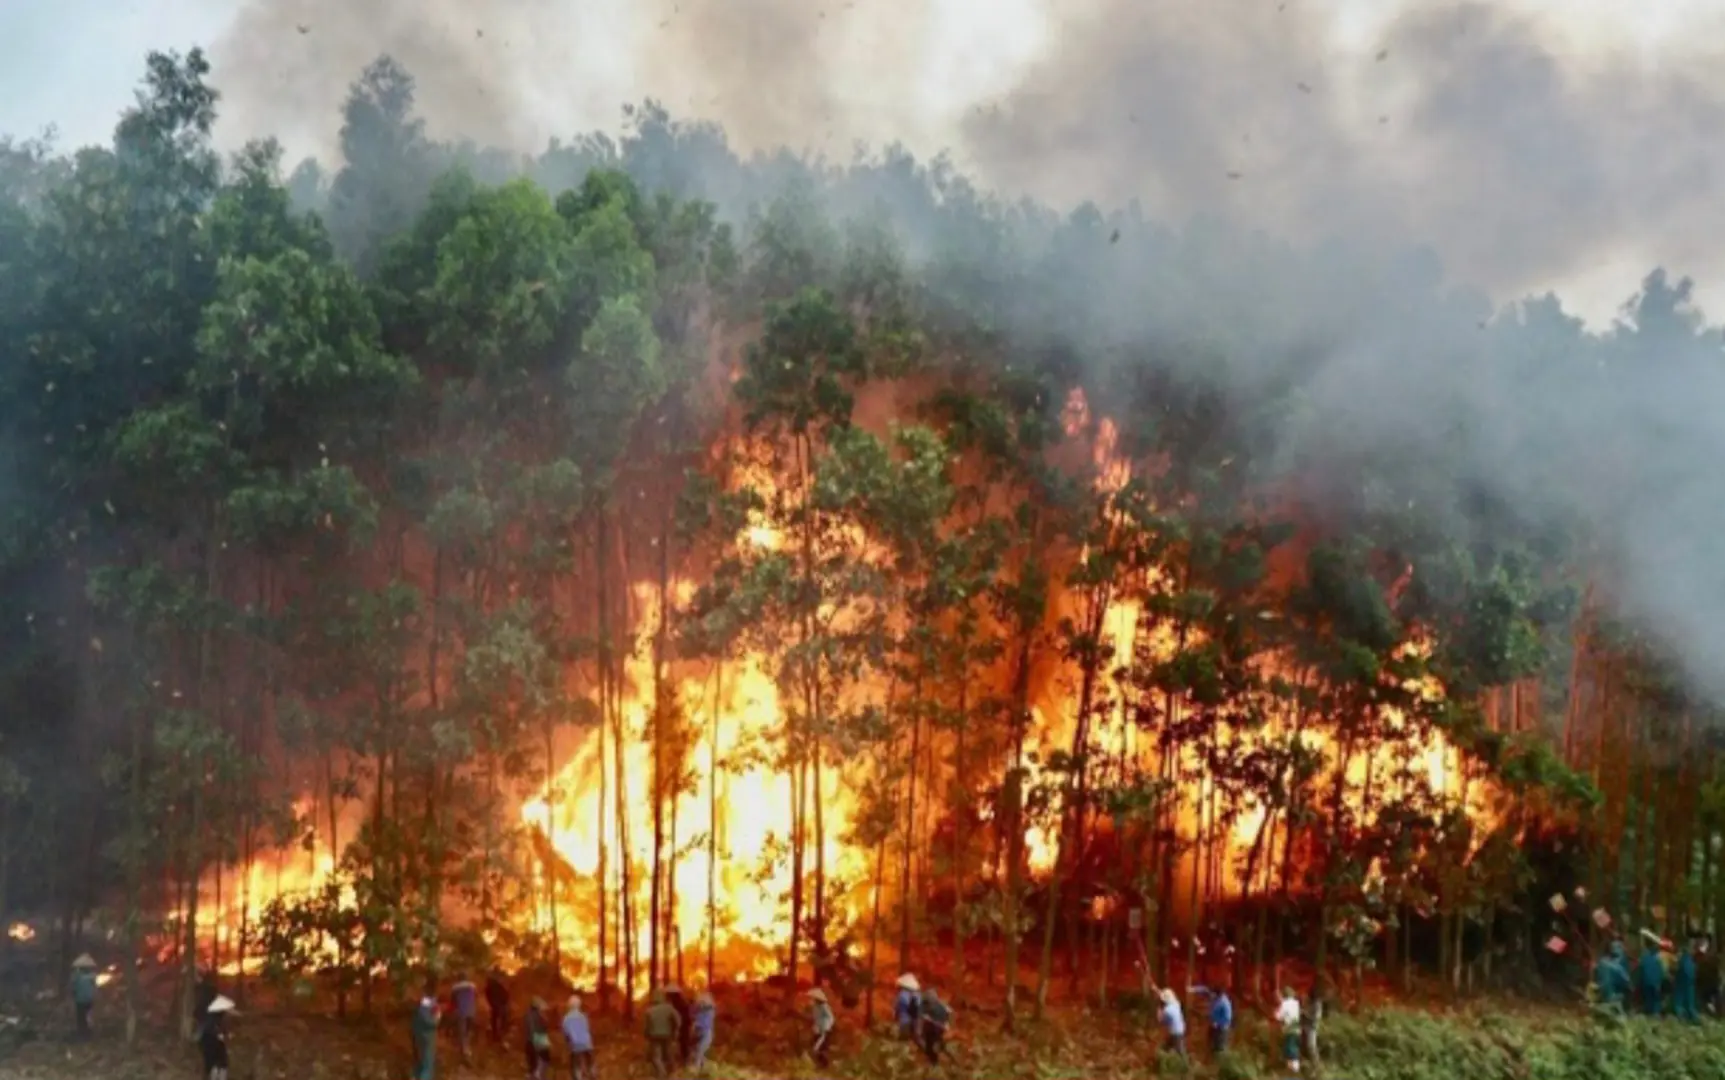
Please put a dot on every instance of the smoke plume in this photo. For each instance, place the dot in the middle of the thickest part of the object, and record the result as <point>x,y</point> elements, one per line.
<point>1524,161</point>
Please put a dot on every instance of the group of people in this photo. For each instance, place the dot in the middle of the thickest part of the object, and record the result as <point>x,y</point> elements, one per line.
<point>921,1016</point>
<point>679,1031</point>
<point>1684,983</point>
<point>1298,1025</point>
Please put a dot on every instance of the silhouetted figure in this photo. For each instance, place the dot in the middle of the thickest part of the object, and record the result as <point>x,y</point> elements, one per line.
<point>213,1037</point>
<point>497,1000</point>
<point>538,1048</point>
<point>83,994</point>
<point>675,998</point>
<point>936,1020</point>
<point>661,1025</point>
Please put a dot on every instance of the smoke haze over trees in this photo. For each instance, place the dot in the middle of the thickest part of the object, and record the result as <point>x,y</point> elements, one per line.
<point>349,501</point>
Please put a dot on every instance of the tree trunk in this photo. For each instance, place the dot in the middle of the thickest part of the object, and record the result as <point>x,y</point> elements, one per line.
<point>907,891</point>
<point>1014,795</point>
<point>1072,808</point>
<point>713,818</point>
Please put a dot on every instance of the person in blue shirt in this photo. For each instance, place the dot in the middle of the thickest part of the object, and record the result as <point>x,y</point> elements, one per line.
<point>1611,978</point>
<point>1221,1017</point>
<point>1683,986</point>
<point>464,997</point>
<point>1652,973</point>
<point>705,1012</point>
<point>83,992</point>
<point>578,1033</point>
<point>907,1006</point>
<point>1174,1023</point>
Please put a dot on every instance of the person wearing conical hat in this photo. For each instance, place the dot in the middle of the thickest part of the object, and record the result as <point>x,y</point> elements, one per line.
<point>213,1038</point>
<point>821,1016</point>
<point>705,1013</point>
<point>907,1006</point>
<point>83,990</point>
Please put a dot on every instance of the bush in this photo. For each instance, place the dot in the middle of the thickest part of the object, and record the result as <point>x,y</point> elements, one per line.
<point>1396,1044</point>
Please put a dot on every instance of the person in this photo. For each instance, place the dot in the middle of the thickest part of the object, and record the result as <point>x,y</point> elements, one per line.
<point>207,993</point>
<point>497,1001</point>
<point>1173,1023</point>
<point>213,1038</point>
<point>83,993</point>
<point>1288,1016</point>
<point>425,1033</point>
<point>1611,978</point>
<point>464,998</point>
<point>538,1043</point>
<point>705,1013</point>
<point>1221,1017</point>
<point>907,1006</point>
<point>662,1025</point>
<point>1310,1016</point>
<point>1707,975</point>
<point>685,1021</point>
<point>1652,978</point>
<point>821,1016</point>
<point>578,1033</point>
<point>936,1021</point>
<point>1683,986</point>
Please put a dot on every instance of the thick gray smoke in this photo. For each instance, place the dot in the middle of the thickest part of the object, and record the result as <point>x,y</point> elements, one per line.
<point>1523,161</point>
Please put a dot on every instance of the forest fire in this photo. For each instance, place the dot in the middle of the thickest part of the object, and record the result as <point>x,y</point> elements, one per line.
<point>724,826</point>
<point>727,826</point>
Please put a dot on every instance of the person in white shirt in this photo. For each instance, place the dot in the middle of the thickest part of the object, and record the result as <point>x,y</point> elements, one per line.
<point>1174,1022</point>
<point>1288,1016</point>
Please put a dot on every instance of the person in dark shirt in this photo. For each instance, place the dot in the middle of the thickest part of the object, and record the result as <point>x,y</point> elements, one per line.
<point>83,993</point>
<point>675,998</point>
<point>936,1020</point>
<point>538,1048</point>
<point>497,1000</point>
<point>662,1026</point>
<point>1707,975</point>
<point>213,1037</point>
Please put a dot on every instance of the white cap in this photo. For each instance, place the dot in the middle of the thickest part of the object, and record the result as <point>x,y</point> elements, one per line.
<point>907,981</point>
<point>222,1004</point>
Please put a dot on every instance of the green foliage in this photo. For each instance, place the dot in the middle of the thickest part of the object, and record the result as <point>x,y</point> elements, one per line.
<point>1406,1045</point>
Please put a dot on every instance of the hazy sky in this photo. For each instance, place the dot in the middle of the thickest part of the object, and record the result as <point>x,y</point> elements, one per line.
<point>1533,149</point>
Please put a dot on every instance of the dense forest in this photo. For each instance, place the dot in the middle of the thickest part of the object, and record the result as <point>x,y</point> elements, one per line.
<point>656,564</point>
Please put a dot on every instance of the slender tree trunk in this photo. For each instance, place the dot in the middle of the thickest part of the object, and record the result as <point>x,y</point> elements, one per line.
<point>602,620</point>
<point>1015,816</point>
<point>907,890</point>
<point>713,817</point>
<point>1072,808</point>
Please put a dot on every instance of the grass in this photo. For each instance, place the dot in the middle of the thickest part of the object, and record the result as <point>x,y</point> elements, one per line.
<point>1487,1041</point>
